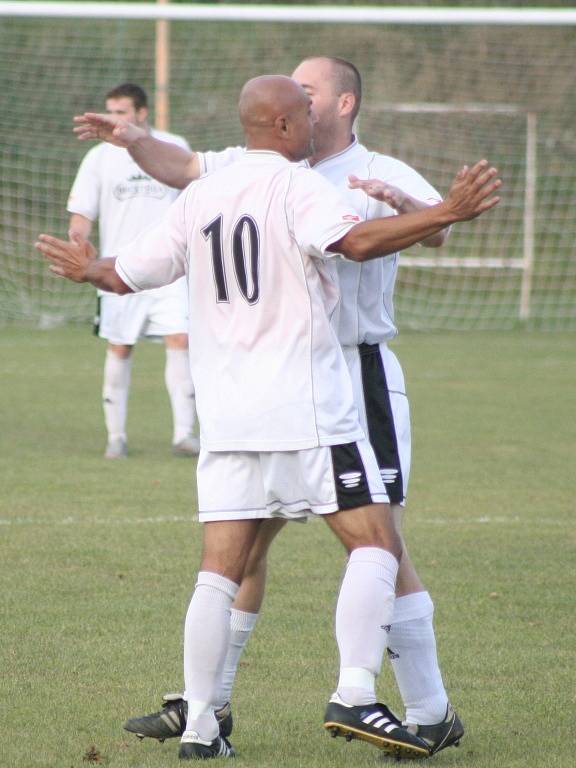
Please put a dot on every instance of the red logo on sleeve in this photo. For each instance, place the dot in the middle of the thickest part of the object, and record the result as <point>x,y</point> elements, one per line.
<point>350,217</point>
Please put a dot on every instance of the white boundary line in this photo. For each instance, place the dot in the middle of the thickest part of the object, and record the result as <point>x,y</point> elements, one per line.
<point>7,521</point>
<point>294,13</point>
<point>162,519</point>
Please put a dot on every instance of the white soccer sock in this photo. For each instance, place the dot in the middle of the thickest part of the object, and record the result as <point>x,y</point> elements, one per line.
<point>181,391</point>
<point>115,390</point>
<point>241,625</point>
<point>206,635</point>
<point>412,653</point>
<point>364,609</point>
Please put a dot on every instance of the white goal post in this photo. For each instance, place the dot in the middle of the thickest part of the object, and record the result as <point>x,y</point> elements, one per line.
<point>441,87</point>
<point>292,13</point>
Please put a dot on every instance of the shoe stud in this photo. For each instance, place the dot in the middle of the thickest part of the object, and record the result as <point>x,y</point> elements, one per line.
<point>140,737</point>
<point>349,736</point>
<point>333,732</point>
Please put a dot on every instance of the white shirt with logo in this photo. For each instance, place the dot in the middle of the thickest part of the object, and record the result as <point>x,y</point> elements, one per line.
<point>366,310</point>
<point>267,367</point>
<point>111,187</point>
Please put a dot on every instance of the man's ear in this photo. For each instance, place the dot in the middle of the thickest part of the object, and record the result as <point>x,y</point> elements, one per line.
<point>347,103</point>
<point>142,114</point>
<point>282,125</point>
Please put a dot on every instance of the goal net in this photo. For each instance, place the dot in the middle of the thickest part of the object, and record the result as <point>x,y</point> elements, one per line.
<point>440,89</point>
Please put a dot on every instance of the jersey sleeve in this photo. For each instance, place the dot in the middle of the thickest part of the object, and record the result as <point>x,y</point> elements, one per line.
<point>158,255</point>
<point>406,178</point>
<point>84,197</point>
<point>213,161</point>
<point>318,216</point>
<point>171,138</point>
<point>181,142</point>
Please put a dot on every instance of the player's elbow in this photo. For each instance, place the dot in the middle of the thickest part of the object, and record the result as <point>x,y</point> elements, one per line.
<point>121,288</point>
<point>353,246</point>
<point>359,244</point>
<point>437,240</point>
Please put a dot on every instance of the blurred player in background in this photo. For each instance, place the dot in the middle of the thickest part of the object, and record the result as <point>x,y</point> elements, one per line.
<point>110,187</point>
<point>365,326</point>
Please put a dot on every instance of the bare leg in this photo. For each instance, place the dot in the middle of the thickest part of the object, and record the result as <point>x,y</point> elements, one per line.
<point>408,580</point>
<point>251,593</point>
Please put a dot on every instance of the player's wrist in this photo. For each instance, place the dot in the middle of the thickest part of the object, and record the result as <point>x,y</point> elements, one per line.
<point>445,214</point>
<point>90,270</point>
<point>137,137</point>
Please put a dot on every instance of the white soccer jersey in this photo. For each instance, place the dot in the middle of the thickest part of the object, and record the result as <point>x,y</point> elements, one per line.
<point>268,370</point>
<point>213,161</point>
<point>366,311</point>
<point>111,187</point>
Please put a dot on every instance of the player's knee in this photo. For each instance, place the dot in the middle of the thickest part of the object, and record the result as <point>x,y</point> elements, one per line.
<point>230,568</point>
<point>227,561</point>
<point>386,538</point>
<point>370,526</point>
<point>176,341</point>
<point>381,538</point>
<point>122,351</point>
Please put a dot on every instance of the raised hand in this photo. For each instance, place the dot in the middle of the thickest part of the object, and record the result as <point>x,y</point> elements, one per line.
<point>68,258</point>
<point>379,190</point>
<point>472,191</point>
<point>104,127</point>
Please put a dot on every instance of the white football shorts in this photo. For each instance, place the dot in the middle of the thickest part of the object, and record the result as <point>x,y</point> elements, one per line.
<point>380,397</point>
<point>243,485</point>
<point>158,312</point>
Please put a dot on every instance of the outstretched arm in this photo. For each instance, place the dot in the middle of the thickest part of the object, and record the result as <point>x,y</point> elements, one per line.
<point>471,194</point>
<point>77,261</point>
<point>170,164</point>
<point>400,201</point>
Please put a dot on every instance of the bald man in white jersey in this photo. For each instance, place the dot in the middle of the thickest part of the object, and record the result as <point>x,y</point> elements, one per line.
<point>365,326</point>
<point>212,234</point>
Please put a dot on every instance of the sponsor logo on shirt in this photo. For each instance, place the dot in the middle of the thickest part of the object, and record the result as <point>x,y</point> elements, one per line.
<point>350,217</point>
<point>139,185</point>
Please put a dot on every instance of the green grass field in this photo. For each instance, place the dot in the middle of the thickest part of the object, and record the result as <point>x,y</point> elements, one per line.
<point>98,561</point>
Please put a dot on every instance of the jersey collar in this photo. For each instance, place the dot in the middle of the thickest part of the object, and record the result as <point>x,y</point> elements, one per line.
<point>265,156</point>
<point>350,149</point>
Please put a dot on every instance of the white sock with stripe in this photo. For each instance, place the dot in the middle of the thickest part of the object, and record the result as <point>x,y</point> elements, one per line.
<point>181,392</point>
<point>412,652</point>
<point>241,625</point>
<point>116,386</point>
<point>206,637</point>
<point>365,606</point>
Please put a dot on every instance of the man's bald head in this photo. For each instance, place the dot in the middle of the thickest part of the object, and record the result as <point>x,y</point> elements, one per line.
<point>275,114</point>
